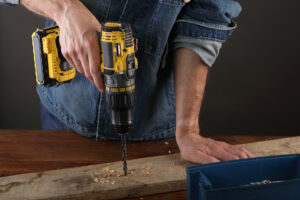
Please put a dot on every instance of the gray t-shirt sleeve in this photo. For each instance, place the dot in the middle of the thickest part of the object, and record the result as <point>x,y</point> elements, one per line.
<point>208,50</point>
<point>9,2</point>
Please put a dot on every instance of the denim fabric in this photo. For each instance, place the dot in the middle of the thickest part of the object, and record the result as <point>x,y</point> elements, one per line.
<point>155,23</point>
<point>50,122</point>
<point>9,2</point>
<point>208,19</point>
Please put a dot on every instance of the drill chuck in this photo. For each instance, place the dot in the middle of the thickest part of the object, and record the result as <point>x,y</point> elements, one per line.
<point>121,110</point>
<point>121,120</point>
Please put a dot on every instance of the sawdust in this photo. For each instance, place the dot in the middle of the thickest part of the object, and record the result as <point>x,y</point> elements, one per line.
<point>146,171</point>
<point>109,176</point>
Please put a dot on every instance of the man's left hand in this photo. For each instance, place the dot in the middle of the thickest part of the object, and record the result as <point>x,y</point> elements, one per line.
<point>198,149</point>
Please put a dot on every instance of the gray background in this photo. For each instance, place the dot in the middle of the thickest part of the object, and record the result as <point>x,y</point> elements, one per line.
<point>252,89</point>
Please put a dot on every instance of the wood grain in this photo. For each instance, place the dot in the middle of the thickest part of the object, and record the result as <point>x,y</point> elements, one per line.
<point>275,147</point>
<point>150,176</point>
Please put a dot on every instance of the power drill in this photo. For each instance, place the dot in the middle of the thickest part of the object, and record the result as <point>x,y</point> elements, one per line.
<point>118,67</point>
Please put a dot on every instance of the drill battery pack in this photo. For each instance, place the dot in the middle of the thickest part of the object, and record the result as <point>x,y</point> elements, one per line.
<point>51,68</point>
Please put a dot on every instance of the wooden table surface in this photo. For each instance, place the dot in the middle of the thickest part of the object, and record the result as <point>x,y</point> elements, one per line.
<point>24,151</point>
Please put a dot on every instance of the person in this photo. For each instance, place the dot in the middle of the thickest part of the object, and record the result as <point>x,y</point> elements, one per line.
<point>179,41</point>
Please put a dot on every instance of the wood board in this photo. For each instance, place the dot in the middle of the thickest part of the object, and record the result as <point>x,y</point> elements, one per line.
<point>151,175</point>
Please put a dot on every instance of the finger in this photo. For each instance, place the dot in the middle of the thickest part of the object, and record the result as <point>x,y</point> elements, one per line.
<point>204,158</point>
<point>94,62</point>
<point>85,62</point>
<point>78,64</point>
<point>87,73</point>
<point>80,68</point>
<point>250,154</point>
<point>224,144</point>
<point>69,59</point>
<point>80,58</point>
<point>238,151</point>
<point>245,152</point>
<point>200,157</point>
<point>75,52</point>
<point>65,52</point>
<point>222,154</point>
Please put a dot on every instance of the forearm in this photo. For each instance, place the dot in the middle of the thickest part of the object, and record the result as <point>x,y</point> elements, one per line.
<point>53,9</point>
<point>190,81</point>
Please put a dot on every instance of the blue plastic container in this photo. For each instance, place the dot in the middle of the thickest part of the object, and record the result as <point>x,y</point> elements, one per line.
<point>246,179</point>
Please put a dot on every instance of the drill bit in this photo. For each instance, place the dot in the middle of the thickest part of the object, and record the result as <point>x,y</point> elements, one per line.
<point>124,153</point>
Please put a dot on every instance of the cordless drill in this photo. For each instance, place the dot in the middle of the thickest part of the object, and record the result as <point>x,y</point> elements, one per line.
<point>118,67</point>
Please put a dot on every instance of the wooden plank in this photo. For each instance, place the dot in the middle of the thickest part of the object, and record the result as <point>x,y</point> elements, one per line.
<point>146,176</point>
<point>289,145</point>
<point>150,175</point>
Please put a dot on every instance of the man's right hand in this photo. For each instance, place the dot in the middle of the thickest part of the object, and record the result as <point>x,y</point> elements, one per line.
<point>79,30</point>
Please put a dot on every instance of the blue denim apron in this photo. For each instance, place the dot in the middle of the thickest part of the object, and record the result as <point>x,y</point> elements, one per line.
<point>155,23</point>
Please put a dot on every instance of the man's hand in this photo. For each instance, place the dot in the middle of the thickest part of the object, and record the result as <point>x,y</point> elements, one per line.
<point>190,81</point>
<point>79,30</point>
<point>202,150</point>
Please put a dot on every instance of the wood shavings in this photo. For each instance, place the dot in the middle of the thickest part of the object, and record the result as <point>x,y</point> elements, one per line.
<point>146,171</point>
<point>107,176</point>
<point>111,176</point>
<point>166,143</point>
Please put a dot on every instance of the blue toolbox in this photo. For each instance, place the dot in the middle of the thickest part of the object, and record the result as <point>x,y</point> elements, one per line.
<point>263,178</point>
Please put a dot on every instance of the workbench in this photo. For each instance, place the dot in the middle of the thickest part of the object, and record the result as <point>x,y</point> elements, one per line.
<point>24,151</point>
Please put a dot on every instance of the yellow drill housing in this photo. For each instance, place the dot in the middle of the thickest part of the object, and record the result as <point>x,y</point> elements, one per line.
<point>113,34</point>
